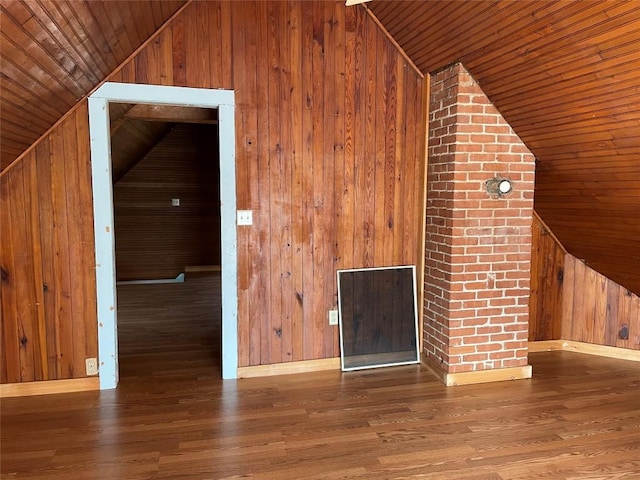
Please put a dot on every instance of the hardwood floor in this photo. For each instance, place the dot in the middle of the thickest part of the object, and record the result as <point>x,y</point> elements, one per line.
<point>170,330</point>
<point>171,416</point>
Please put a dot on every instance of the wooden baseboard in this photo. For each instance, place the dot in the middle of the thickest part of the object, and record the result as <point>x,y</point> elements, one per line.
<point>433,367</point>
<point>488,376</point>
<point>49,387</point>
<point>201,268</point>
<point>289,368</point>
<point>545,346</point>
<point>588,348</point>
<point>479,376</point>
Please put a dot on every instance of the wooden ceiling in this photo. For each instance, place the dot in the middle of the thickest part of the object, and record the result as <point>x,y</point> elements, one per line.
<point>137,129</point>
<point>52,53</point>
<point>566,76</point>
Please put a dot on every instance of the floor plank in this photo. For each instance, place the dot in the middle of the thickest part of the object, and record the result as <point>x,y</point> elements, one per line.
<point>172,417</point>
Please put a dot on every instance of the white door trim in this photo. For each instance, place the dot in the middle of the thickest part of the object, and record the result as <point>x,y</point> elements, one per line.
<point>99,128</point>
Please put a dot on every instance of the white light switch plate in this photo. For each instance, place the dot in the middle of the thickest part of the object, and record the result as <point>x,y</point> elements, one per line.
<point>245,217</point>
<point>333,317</point>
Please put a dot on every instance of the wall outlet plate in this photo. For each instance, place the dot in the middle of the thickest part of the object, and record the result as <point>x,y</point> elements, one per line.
<point>92,366</point>
<point>333,317</point>
<point>245,217</point>
<point>175,202</point>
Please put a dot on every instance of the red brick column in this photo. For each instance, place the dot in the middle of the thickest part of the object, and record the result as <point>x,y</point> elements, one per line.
<point>478,245</point>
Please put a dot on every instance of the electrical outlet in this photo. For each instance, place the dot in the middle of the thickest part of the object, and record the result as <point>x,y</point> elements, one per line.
<point>175,202</point>
<point>245,217</point>
<point>92,366</point>
<point>333,317</point>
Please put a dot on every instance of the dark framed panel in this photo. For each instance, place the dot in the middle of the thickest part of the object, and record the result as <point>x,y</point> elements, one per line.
<point>378,317</point>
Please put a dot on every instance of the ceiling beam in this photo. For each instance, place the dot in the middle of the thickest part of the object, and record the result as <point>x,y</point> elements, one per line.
<point>172,113</point>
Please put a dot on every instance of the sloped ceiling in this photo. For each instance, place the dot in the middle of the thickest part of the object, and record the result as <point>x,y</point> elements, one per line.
<point>566,76</point>
<point>52,53</point>
<point>137,129</point>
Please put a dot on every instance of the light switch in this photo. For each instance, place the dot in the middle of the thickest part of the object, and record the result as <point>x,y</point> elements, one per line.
<point>175,202</point>
<point>245,217</point>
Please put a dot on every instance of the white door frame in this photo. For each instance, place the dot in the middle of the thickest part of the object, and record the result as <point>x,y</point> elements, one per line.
<point>99,129</point>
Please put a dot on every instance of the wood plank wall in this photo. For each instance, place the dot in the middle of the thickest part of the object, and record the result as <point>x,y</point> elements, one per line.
<point>153,238</point>
<point>595,308</point>
<point>547,273</point>
<point>47,257</point>
<point>329,155</point>
<point>571,301</point>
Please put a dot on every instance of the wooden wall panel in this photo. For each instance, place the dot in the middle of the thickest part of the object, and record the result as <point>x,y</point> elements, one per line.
<point>329,144</point>
<point>48,278</point>
<point>547,280</point>
<point>154,239</point>
<point>599,309</point>
<point>317,207</point>
<point>571,301</point>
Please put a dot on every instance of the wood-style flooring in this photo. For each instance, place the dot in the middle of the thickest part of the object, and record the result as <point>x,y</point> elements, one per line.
<point>172,417</point>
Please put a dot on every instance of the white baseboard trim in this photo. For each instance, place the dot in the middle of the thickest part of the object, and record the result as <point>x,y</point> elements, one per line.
<point>178,279</point>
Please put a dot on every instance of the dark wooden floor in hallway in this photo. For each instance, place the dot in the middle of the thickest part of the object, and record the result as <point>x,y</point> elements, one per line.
<point>169,330</point>
<point>172,416</point>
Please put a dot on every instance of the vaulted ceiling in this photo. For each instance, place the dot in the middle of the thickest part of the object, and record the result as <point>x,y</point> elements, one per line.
<point>137,129</point>
<point>565,74</point>
<point>52,53</point>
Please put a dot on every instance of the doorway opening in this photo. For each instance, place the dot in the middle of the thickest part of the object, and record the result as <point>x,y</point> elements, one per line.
<point>166,183</point>
<point>101,159</point>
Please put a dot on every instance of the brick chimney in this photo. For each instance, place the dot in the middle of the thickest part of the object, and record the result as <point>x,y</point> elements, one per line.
<point>478,243</point>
